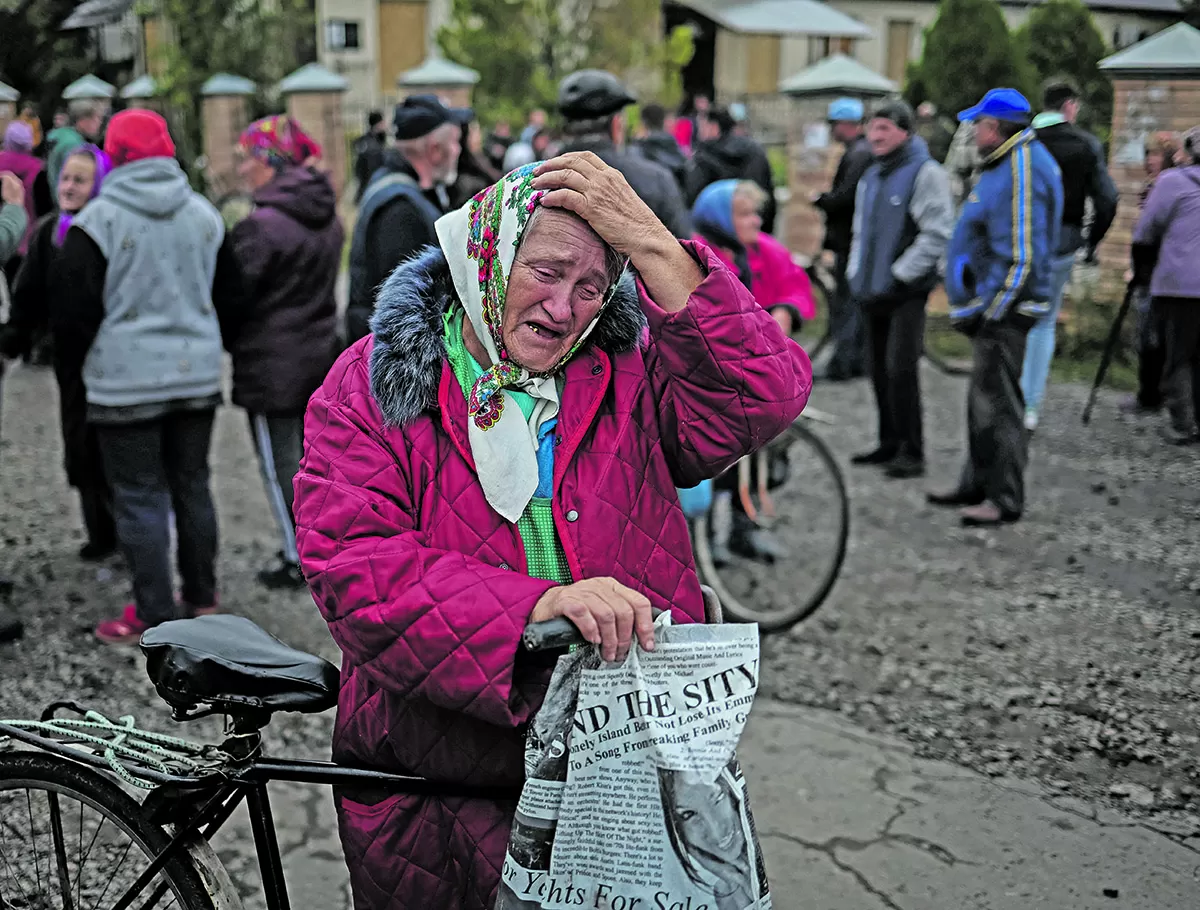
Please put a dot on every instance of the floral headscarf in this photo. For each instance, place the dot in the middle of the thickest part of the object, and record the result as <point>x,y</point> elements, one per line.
<point>480,241</point>
<point>279,141</point>
<point>103,166</point>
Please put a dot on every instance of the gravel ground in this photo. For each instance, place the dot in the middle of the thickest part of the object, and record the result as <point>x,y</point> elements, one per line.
<point>1065,648</point>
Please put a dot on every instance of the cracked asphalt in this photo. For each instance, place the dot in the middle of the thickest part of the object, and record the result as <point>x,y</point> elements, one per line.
<point>977,719</point>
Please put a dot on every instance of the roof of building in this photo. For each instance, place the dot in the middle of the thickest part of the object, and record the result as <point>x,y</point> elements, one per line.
<point>438,71</point>
<point>141,87</point>
<point>88,86</point>
<point>780,17</point>
<point>838,75</point>
<point>227,84</point>
<point>1171,51</point>
<point>8,93</point>
<point>91,13</point>
<point>312,77</point>
<point>1151,7</point>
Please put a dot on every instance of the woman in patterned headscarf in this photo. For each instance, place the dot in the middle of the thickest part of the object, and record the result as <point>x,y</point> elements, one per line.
<point>288,248</point>
<point>505,448</point>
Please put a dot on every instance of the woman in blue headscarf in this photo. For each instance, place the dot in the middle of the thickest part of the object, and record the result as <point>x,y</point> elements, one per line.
<point>34,299</point>
<point>727,216</point>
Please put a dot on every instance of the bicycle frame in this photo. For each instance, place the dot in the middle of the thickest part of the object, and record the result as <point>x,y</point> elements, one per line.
<point>210,800</point>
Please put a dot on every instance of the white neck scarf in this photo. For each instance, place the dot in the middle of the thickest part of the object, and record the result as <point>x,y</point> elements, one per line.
<point>480,241</point>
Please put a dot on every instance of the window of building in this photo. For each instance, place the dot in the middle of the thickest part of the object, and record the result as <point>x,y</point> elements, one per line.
<point>341,35</point>
<point>822,46</point>
<point>899,46</point>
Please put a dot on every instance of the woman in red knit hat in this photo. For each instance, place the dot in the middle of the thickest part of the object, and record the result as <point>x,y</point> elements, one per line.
<point>147,270</point>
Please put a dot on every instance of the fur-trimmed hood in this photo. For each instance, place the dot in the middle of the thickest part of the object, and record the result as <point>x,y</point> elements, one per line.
<point>406,361</point>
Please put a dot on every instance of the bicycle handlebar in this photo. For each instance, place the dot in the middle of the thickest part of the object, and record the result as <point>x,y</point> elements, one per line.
<point>558,632</point>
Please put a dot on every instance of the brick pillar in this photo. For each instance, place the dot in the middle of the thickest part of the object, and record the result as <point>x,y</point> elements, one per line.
<point>319,114</point>
<point>811,166</point>
<point>225,117</point>
<point>450,95</point>
<point>1141,107</point>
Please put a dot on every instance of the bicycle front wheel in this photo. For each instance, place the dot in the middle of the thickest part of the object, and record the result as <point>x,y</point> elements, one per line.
<point>808,518</point>
<point>71,839</point>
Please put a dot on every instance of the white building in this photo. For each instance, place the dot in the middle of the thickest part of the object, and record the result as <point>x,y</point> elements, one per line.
<point>371,42</point>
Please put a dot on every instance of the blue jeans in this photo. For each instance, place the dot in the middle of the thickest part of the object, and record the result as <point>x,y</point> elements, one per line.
<point>1039,346</point>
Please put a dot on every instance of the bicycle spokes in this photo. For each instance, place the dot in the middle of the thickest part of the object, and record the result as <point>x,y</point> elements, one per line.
<point>58,852</point>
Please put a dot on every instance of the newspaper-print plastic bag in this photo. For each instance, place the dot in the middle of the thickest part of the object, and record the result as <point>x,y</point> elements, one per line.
<point>633,798</point>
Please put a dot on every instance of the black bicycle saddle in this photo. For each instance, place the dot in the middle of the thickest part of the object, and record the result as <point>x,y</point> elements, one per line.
<point>228,660</point>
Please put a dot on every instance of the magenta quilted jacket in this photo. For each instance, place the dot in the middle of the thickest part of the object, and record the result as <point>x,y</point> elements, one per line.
<point>422,584</point>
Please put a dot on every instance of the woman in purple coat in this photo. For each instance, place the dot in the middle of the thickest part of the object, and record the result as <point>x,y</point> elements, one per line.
<point>1168,233</point>
<point>289,250</point>
<point>505,448</point>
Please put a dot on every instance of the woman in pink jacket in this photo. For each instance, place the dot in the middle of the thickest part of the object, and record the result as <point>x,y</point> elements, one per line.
<point>503,449</point>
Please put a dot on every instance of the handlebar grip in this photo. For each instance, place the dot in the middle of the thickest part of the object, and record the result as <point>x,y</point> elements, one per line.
<point>558,632</point>
<point>548,634</point>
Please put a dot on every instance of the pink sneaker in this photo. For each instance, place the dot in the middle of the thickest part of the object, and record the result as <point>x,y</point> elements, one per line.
<point>124,631</point>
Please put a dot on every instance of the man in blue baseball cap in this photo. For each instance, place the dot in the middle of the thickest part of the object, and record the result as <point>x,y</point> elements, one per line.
<point>846,327</point>
<point>998,280</point>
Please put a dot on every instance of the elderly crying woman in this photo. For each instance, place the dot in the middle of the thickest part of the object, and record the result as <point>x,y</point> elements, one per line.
<point>505,448</point>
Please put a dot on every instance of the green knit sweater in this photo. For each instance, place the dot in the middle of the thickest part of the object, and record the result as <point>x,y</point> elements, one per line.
<point>544,556</point>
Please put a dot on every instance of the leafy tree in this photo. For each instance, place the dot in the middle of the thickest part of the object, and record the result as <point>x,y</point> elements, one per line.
<point>522,48</point>
<point>37,58</point>
<point>495,37</point>
<point>1060,40</point>
<point>1191,12</point>
<point>968,50</point>
<point>262,40</point>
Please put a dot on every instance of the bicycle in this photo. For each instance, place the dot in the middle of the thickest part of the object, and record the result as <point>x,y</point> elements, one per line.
<point>795,490</point>
<point>224,665</point>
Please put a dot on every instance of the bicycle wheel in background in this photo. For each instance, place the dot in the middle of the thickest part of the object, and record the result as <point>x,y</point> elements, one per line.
<point>811,523</point>
<point>71,839</point>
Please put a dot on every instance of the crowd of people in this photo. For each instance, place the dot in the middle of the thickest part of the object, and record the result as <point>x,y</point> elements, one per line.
<point>1020,198</point>
<point>140,290</point>
<point>546,336</point>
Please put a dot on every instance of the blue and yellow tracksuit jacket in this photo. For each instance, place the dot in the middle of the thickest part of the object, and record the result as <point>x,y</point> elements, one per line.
<point>999,257</point>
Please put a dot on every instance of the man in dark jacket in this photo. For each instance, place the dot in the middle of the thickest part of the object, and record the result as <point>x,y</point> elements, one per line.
<point>724,153</point>
<point>902,221</point>
<point>998,281</point>
<point>289,249</point>
<point>368,152</point>
<point>659,145</point>
<point>845,321</point>
<point>403,200</point>
<point>591,102</point>
<point>1080,157</point>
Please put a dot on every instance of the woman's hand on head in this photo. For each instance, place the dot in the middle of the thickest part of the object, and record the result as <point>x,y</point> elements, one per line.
<point>606,612</point>
<point>581,183</point>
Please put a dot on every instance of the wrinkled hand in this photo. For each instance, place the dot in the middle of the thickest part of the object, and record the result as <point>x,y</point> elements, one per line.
<point>581,183</point>
<point>606,612</point>
<point>11,189</point>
